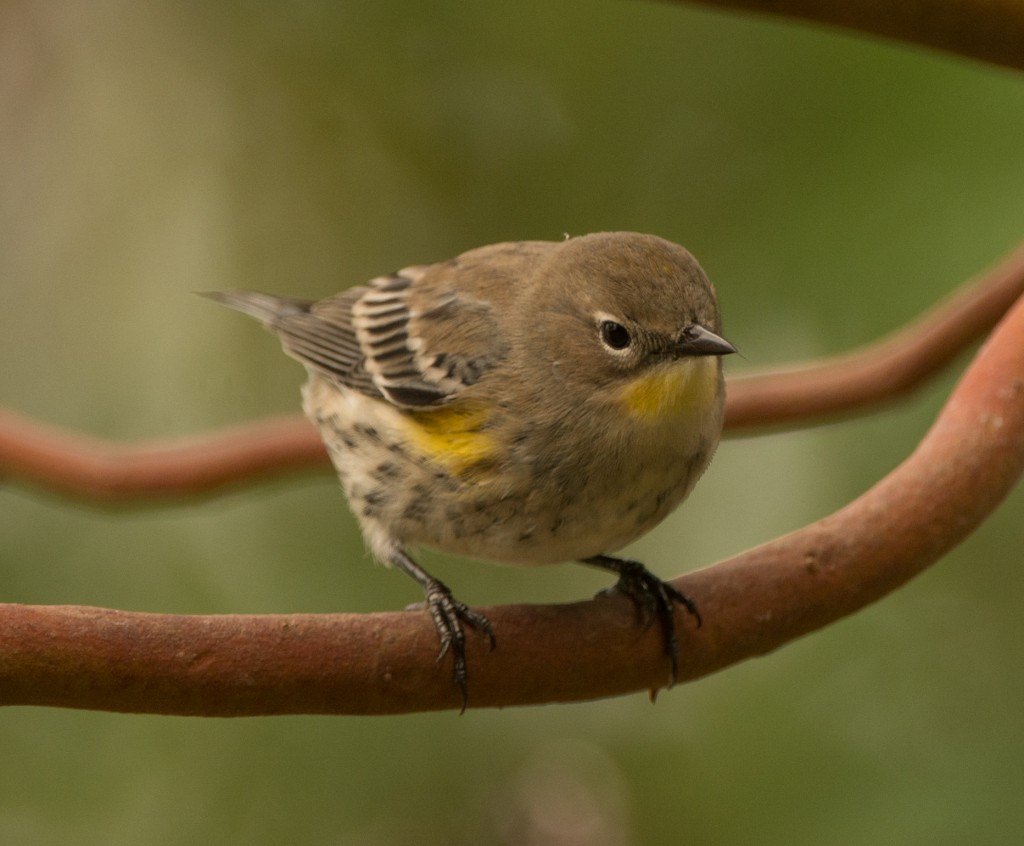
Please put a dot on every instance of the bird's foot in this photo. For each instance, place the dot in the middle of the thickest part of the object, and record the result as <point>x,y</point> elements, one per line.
<point>654,600</point>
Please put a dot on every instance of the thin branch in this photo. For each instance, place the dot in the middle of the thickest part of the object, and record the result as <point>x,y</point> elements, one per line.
<point>101,471</point>
<point>104,471</point>
<point>384,663</point>
<point>992,31</point>
<point>884,370</point>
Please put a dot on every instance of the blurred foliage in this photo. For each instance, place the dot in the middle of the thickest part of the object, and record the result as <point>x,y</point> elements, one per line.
<point>832,186</point>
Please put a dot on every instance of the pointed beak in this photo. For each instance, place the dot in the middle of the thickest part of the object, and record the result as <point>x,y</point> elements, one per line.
<point>695,340</point>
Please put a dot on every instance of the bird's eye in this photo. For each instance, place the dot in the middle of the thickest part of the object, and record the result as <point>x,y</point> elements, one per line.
<point>614,335</point>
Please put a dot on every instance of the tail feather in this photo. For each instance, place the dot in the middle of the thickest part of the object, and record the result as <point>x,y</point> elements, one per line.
<point>266,308</point>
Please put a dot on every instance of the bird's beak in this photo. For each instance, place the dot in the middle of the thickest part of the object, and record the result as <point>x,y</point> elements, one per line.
<point>696,340</point>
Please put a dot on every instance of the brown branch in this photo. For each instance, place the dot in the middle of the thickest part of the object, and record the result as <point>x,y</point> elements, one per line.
<point>992,31</point>
<point>882,371</point>
<point>102,471</point>
<point>384,663</point>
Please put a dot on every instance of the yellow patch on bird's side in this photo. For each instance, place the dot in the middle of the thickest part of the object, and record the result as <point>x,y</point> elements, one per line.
<point>453,437</point>
<point>671,390</point>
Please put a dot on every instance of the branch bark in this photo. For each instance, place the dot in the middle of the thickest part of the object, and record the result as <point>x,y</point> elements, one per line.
<point>103,472</point>
<point>384,663</point>
<point>992,31</point>
<point>884,370</point>
<point>97,470</point>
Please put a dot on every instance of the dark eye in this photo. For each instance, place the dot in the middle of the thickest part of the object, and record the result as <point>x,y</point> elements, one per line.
<point>615,335</point>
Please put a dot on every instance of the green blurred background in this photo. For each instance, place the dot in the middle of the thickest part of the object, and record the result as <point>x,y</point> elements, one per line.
<point>832,186</point>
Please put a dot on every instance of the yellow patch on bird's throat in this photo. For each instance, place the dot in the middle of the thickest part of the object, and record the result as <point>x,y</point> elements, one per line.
<point>667,391</point>
<point>453,437</point>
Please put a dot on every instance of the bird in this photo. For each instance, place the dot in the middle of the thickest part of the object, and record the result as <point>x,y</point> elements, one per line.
<point>526,402</point>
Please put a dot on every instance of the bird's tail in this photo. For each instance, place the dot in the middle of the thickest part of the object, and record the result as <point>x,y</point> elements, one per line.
<point>266,308</point>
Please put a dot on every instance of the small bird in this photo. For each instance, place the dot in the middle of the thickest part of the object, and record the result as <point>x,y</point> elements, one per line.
<point>528,403</point>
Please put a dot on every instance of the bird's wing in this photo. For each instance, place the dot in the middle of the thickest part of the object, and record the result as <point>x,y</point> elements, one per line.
<point>414,343</point>
<point>417,338</point>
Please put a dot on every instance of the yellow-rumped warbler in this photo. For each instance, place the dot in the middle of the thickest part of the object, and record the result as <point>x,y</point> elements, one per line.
<point>527,403</point>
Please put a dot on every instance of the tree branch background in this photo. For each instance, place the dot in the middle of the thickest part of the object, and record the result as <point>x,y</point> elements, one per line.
<point>833,186</point>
